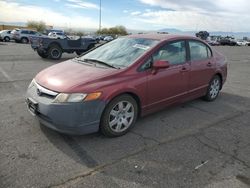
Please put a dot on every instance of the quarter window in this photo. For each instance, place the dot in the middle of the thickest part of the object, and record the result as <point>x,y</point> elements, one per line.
<point>174,53</point>
<point>199,51</point>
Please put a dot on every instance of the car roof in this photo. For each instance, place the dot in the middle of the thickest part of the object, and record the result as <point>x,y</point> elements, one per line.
<point>162,37</point>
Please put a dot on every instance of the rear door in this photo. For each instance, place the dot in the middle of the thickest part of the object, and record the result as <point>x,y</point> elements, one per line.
<point>202,66</point>
<point>170,84</point>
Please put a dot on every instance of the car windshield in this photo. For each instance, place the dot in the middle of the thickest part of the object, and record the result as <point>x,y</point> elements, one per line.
<point>121,52</point>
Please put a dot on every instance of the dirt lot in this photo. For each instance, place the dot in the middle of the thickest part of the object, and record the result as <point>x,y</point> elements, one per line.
<point>197,144</point>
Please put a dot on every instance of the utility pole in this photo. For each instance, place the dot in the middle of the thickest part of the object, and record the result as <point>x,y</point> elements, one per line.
<point>100,16</point>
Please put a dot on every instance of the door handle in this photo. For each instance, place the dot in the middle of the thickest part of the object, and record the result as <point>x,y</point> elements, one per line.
<point>209,64</point>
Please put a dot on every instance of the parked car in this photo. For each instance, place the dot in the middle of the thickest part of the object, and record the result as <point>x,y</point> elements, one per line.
<point>5,35</point>
<point>23,35</point>
<point>242,43</point>
<point>108,38</point>
<point>57,35</point>
<point>227,42</point>
<point>53,48</point>
<point>109,87</point>
<point>213,42</point>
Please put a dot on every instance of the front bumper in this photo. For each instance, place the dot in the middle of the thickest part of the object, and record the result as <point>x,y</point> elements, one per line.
<point>70,118</point>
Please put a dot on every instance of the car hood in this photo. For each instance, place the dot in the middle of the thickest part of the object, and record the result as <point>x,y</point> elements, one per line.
<point>66,76</point>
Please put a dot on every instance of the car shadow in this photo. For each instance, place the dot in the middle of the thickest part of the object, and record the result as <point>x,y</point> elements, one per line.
<point>86,149</point>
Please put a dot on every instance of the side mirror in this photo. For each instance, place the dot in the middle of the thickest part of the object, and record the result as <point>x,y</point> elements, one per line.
<point>160,64</point>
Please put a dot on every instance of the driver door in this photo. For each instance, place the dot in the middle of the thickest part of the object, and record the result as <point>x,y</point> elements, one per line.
<point>168,85</point>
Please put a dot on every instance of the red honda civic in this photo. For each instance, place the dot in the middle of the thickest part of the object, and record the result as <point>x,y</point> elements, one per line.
<point>109,87</point>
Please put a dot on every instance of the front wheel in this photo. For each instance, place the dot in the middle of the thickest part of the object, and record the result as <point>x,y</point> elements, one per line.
<point>24,40</point>
<point>7,39</point>
<point>119,116</point>
<point>55,52</point>
<point>213,89</point>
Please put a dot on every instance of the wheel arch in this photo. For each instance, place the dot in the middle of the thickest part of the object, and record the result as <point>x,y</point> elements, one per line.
<point>132,94</point>
<point>55,44</point>
<point>221,78</point>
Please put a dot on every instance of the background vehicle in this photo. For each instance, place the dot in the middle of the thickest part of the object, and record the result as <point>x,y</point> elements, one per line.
<point>5,35</point>
<point>109,87</point>
<point>228,41</point>
<point>213,42</point>
<point>242,43</point>
<point>23,35</point>
<point>202,35</point>
<point>57,35</point>
<point>108,38</point>
<point>53,48</point>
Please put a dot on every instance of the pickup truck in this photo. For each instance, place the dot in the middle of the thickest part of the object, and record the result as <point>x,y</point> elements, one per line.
<point>53,48</point>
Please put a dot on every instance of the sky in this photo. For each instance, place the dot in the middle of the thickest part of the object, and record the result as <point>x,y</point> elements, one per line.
<point>186,15</point>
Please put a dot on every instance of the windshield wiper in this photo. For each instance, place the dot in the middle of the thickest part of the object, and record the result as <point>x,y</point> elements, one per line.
<point>100,62</point>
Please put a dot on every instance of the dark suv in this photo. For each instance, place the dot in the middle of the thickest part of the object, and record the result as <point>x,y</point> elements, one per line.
<point>23,35</point>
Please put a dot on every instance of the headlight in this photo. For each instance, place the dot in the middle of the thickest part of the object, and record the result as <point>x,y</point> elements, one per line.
<point>76,97</point>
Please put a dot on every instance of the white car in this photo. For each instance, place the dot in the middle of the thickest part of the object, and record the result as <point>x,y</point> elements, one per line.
<point>5,35</point>
<point>57,35</point>
<point>108,38</point>
<point>242,43</point>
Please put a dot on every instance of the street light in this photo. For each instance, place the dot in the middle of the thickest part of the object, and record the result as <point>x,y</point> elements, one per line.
<point>100,15</point>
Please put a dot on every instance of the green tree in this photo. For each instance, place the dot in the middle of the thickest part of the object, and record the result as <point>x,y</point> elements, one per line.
<point>117,30</point>
<point>39,26</point>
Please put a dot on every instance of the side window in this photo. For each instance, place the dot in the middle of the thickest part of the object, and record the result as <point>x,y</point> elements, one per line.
<point>24,32</point>
<point>199,51</point>
<point>32,32</point>
<point>8,32</point>
<point>174,53</point>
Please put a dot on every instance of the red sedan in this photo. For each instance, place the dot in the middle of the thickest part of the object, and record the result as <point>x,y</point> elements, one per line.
<point>110,86</point>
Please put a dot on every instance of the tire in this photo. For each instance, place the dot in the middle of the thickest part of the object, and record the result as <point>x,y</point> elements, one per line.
<point>213,89</point>
<point>119,116</point>
<point>42,54</point>
<point>79,52</point>
<point>55,52</point>
<point>24,40</point>
<point>91,46</point>
<point>6,39</point>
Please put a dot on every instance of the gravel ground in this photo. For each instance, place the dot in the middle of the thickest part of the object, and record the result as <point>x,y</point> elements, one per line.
<point>196,144</point>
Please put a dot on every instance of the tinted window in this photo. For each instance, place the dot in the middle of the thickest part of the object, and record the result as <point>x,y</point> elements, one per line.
<point>32,32</point>
<point>174,53</point>
<point>59,33</point>
<point>8,32</point>
<point>199,51</point>
<point>25,32</point>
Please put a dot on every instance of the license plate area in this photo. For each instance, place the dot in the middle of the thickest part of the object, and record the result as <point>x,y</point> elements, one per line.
<point>32,106</point>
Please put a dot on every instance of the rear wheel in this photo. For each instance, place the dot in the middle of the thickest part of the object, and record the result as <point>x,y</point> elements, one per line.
<point>119,116</point>
<point>91,46</point>
<point>24,40</point>
<point>79,52</point>
<point>42,54</point>
<point>6,39</point>
<point>55,52</point>
<point>213,89</point>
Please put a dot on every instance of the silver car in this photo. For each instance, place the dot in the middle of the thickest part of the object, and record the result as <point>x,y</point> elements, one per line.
<point>5,35</point>
<point>23,35</point>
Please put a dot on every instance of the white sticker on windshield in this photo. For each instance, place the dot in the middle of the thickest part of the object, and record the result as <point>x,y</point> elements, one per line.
<point>141,46</point>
